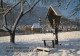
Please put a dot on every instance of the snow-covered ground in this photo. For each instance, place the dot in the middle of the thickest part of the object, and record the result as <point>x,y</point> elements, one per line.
<point>70,45</point>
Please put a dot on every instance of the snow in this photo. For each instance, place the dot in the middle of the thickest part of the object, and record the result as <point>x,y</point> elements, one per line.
<point>56,10</point>
<point>42,49</point>
<point>49,39</point>
<point>4,29</point>
<point>36,25</point>
<point>25,44</point>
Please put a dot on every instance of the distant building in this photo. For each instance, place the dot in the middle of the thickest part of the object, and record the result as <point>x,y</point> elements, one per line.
<point>36,27</point>
<point>3,32</point>
<point>27,29</point>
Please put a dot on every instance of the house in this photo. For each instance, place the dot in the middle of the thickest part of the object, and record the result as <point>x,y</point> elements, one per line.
<point>36,27</point>
<point>3,32</point>
<point>27,29</point>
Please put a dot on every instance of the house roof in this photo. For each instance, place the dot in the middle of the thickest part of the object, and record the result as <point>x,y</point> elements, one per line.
<point>3,29</point>
<point>36,25</point>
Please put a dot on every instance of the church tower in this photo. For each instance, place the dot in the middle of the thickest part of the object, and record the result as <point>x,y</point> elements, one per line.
<point>39,21</point>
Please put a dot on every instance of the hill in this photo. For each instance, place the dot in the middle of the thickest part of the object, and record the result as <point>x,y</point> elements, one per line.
<point>29,18</point>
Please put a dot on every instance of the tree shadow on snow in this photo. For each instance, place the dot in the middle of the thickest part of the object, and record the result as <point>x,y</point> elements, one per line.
<point>72,45</point>
<point>9,49</point>
<point>4,49</point>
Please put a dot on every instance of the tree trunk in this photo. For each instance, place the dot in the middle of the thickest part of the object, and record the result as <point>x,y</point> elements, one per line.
<point>4,20</point>
<point>12,31</point>
<point>12,37</point>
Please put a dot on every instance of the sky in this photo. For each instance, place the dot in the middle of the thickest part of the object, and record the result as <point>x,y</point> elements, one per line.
<point>66,12</point>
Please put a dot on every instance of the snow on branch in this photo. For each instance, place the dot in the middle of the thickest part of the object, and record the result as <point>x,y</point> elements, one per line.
<point>67,4</point>
<point>12,7</point>
<point>31,7</point>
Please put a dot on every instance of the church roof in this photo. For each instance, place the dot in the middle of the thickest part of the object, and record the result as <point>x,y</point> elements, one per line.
<point>36,25</point>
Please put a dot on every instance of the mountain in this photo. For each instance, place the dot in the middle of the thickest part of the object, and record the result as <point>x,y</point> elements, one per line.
<point>28,18</point>
<point>33,16</point>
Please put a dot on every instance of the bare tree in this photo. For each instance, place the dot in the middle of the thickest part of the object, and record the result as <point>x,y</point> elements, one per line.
<point>21,14</point>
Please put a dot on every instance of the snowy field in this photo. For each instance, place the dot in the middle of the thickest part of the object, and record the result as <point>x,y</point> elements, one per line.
<point>70,45</point>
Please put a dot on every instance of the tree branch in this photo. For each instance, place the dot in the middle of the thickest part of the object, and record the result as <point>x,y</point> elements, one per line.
<point>17,20</point>
<point>8,29</point>
<point>4,20</point>
<point>30,8</point>
<point>12,7</point>
<point>19,17</point>
<point>21,14</point>
<point>28,3</point>
<point>67,4</point>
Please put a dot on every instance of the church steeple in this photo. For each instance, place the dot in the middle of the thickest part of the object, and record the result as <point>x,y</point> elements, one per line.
<point>39,21</point>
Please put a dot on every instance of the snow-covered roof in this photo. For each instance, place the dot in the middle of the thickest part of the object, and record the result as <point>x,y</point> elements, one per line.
<point>4,29</point>
<point>36,25</point>
<point>56,10</point>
